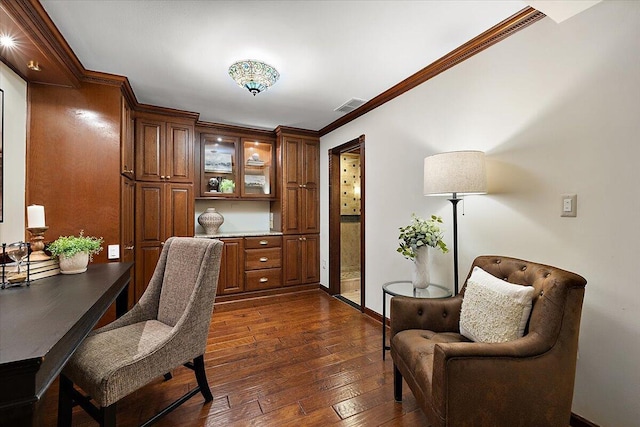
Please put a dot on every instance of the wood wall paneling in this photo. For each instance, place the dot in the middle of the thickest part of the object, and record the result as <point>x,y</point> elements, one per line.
<point>73,159</point>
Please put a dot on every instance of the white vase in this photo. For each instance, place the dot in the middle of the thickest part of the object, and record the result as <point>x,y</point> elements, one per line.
<point>210,220</point>
<point>420,277</point>
<point>74,264</point>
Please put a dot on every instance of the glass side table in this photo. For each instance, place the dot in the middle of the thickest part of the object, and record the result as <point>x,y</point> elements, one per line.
<point>405,288</point>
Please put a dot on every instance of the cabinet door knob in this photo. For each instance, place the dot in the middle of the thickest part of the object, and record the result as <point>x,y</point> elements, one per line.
<point>131,171</point>
<point>263,280</point>
<point>264,242</point>
<point>304,238</point>
<point>264,259</point>
<point>167,177</point>
<point>161,176</point>
<point>161,243</point>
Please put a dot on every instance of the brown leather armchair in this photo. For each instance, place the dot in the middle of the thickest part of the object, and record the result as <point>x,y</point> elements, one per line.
<point>525,382</point>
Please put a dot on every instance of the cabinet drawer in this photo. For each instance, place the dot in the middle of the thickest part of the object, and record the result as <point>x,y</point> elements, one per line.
<point>255,259</point>
<point>263,242</point>
<point>263,279</point>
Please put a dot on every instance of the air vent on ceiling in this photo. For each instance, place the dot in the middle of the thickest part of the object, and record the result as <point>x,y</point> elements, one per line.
<point>350,105</point>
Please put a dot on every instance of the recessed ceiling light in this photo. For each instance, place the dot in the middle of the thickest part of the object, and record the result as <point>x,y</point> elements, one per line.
<point>7,41</point>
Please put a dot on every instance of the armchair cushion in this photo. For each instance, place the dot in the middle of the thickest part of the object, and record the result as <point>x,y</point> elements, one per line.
<point>494,310</point>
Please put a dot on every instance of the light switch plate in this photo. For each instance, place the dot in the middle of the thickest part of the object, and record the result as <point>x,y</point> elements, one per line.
<point>569,205</point>
<point>113,252</point>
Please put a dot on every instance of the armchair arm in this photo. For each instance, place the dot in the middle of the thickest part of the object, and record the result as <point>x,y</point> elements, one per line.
<point>468,377</point>
<point>438,315</point>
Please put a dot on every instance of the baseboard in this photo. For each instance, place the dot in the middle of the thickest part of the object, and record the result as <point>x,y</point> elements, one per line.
<point>578,421</point>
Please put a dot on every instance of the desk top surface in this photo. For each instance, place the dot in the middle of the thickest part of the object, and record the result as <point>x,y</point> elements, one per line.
<point>35,318</point>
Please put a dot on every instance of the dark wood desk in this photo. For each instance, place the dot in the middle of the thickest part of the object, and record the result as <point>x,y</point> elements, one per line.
<point>43,324</point>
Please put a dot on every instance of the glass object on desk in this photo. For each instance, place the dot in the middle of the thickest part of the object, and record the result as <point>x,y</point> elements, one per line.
<point>258,168</point>
<point>18,252</point>
<point>219,166</point>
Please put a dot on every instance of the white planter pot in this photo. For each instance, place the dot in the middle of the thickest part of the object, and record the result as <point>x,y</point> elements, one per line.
<point>420,277</point>
<point>74,264</point>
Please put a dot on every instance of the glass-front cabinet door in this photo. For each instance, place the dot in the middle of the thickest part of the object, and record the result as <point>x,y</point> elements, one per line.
<point>219,158</point>
<point>258,180</point>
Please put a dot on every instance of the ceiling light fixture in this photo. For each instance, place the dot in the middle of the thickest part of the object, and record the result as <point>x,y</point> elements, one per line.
<point>7,41</point>
<point>34,66</point>
<point>255,76</point>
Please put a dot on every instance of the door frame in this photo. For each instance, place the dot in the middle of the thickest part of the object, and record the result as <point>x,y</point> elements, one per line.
<point>356,144</point>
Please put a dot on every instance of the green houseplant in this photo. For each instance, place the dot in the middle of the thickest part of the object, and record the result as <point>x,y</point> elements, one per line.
<point>227,186</point>
<point>415,238</point>
<point>75,252</point>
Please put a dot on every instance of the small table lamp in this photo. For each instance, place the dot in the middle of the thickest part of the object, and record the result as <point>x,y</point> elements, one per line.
<point>455,173</point>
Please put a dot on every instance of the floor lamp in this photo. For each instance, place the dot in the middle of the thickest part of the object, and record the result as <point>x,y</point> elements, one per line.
<point>454,174</point>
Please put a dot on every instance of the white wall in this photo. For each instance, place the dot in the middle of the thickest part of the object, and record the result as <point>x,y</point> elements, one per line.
<point>14,152</point>
<point>556,107</point>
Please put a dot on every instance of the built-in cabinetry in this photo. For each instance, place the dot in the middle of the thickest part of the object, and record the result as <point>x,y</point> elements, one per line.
<point>236,164</point>
<point>164,189</point>
<point>262,262</point>
<point>297,212</point>
<point>127,192</point>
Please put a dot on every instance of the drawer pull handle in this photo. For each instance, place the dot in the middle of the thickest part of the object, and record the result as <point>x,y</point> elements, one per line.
<point>264,242</point>
<point>264,259</point>
<point>263,280</point>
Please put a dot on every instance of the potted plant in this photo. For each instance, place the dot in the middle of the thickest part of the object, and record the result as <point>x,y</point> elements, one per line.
<point>415,238</point>
<point>75,252</point>
<point>227,186</point>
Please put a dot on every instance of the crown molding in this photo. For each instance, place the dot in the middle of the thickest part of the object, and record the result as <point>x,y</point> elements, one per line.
<point>499,32</point>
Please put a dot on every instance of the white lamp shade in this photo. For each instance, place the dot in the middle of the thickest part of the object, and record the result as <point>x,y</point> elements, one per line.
<point>459,172</point>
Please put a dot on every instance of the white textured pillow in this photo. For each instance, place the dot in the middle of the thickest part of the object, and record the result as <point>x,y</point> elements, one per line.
<point>494,310</point>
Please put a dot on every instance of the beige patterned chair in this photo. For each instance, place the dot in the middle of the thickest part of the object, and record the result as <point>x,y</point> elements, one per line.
<point>167,328</point>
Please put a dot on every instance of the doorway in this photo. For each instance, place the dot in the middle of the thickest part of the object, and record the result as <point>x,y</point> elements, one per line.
<point>346,222</point>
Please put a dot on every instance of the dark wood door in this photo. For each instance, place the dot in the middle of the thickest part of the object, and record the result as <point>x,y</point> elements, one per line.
<point>127,151</point>
<point>231,279</point>
<point>127,230</point>
<point>150,137</point>
<point>179,210</point>
<point>178,153</point>
<point>311,258</point>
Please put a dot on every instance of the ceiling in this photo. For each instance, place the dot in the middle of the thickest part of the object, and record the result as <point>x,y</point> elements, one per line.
<point>176,53</point>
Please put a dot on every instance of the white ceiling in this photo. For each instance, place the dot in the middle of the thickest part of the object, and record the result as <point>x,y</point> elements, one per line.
<point>176,53</point>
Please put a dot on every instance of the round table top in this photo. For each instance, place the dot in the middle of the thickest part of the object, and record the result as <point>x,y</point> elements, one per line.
<point>405,288</point>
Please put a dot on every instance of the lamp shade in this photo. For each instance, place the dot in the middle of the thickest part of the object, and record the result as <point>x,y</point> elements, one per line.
<point>456,172</point>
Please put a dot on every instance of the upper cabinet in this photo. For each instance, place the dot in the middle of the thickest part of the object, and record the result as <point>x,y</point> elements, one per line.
<point>164,150</point>
<point>237,166</point>
<point>299,210</point>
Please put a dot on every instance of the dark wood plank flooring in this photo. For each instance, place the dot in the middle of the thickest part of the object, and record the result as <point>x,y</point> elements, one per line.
<point>302,359</point>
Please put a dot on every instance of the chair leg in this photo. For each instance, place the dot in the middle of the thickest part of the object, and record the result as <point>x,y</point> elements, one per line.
<point>201,377</point>
<point>108,416</point>
<point>167,376</point>
<point>65,402</point>
<point>397,384</point>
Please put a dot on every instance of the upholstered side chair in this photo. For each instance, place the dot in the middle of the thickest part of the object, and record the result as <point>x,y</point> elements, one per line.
<point>526,381</point>
<point>167,328</point>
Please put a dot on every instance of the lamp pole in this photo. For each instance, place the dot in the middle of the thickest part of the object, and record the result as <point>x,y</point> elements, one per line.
<point>454,201</point>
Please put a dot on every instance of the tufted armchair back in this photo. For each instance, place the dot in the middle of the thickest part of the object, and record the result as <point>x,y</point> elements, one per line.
<point>559,294</point>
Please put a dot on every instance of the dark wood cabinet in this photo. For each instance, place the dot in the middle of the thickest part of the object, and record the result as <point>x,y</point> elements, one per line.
<point>238,157</point>
<point>300,177</point>
<point>301,255</point>
<point>162,210</point>
<point>127,229</point>
<point>263,263</point>
<point>164,150</point>
<point>231,278</point>
<point>127,148</point>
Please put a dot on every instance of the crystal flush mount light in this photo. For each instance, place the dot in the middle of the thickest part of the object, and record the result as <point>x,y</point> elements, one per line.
<point>255,76</point>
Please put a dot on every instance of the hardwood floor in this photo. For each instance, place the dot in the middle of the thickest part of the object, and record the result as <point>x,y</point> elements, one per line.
<point>302,359</point>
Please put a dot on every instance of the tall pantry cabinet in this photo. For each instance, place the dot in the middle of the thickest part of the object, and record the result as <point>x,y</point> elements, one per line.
<point>164,189</point>
<point>297,213</point>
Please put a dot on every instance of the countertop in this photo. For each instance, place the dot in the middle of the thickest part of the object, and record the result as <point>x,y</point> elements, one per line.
<point>238,234</point>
